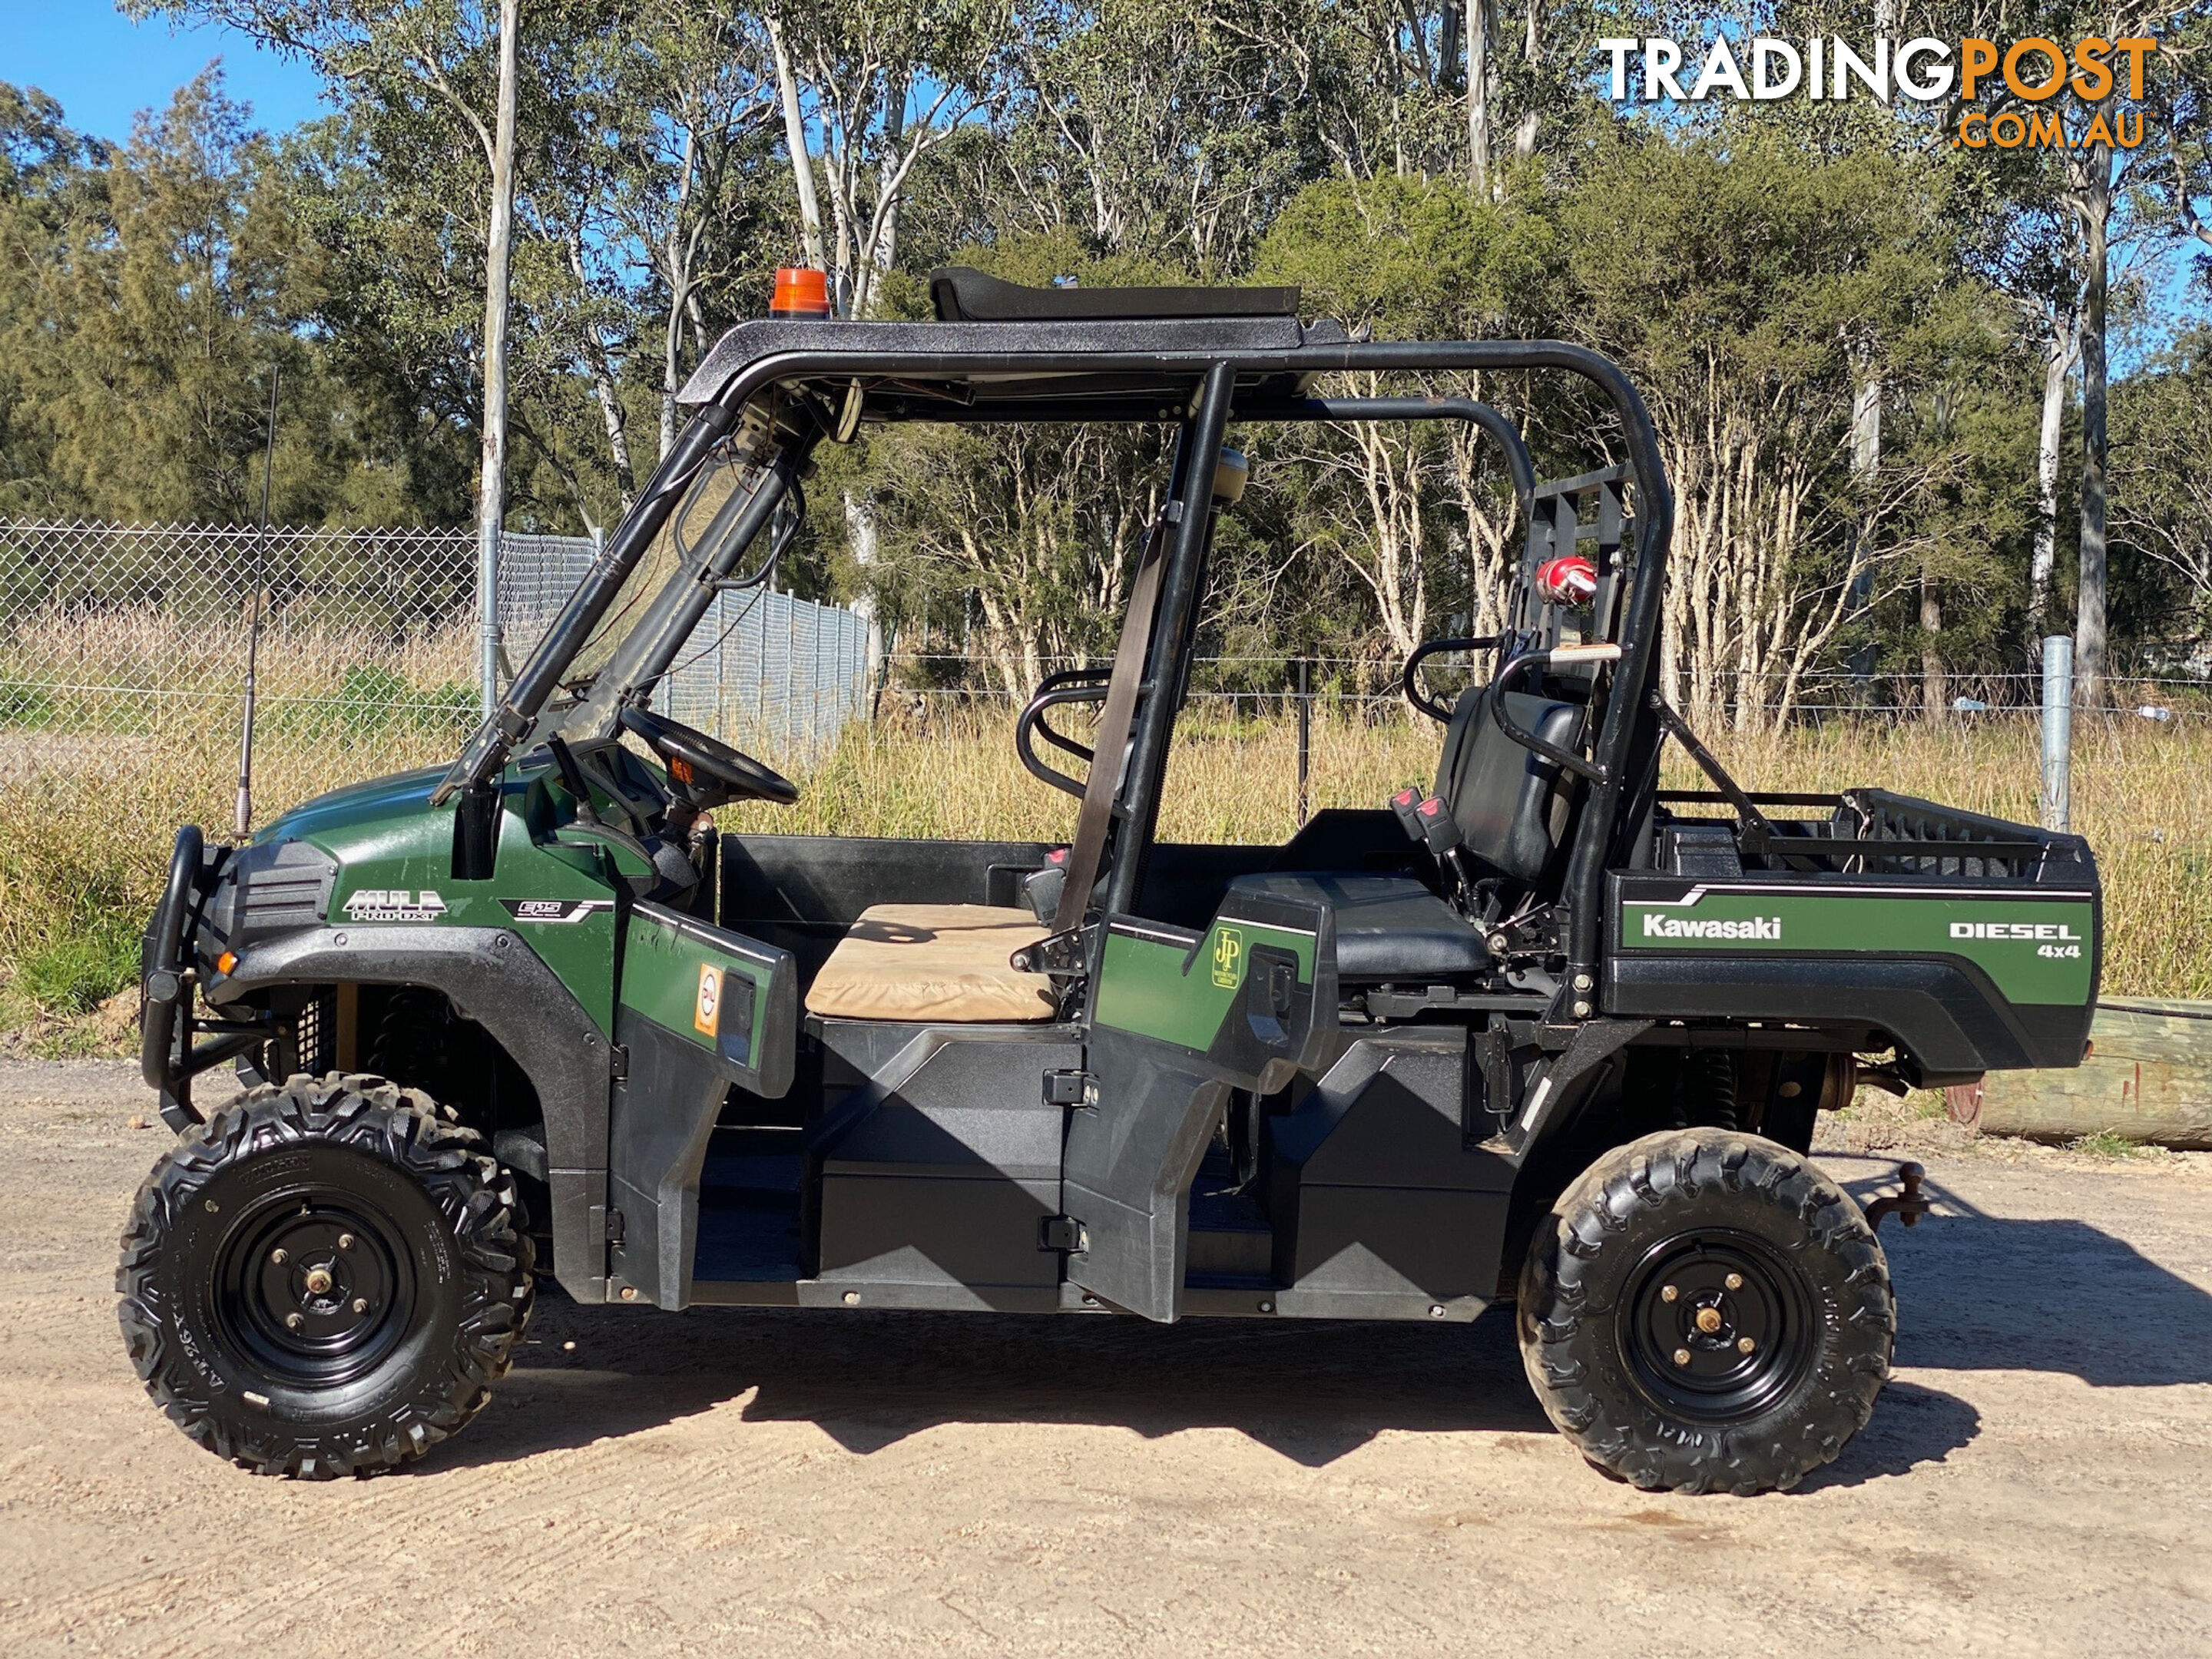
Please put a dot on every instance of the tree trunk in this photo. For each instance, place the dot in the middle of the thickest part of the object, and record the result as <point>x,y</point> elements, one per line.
<point>2057,361</point>
<point>2095,207</point>
<point>1525,130</point>
<point>1477,93</point>
<point>1935,694</point>
<point>599,366</point>
<point>890,197</point>
<point>671,379</point>
<point>676,260</point>
<point>491,500</point>
<point>794,138</point>
<point>862,536</point>
<point>1866,463</point>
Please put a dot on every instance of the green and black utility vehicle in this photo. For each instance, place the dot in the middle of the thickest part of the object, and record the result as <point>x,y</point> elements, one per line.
<point>1545,1033</point>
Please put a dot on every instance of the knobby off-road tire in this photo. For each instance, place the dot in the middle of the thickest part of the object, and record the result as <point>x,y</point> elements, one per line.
<point>327,1279</point>
<point>1704,1311</point>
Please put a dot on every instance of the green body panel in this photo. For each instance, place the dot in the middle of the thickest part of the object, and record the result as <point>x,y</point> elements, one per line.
<point>1155,988</point>
<point>395,854</point>
<point>661,975</point>
<point>2035,950</point>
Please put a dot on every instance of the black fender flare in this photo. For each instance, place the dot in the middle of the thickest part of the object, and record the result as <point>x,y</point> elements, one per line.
<point>493,977</point>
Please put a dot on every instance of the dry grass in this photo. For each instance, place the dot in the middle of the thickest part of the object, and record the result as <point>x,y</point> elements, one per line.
<point>2141,793</point>
<point>85,816</point>
<point>146,647</point>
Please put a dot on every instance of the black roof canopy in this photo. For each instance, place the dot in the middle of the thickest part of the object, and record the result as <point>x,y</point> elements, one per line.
<point>999,350</point>
<point>962,294</point>
<point>959,365</point>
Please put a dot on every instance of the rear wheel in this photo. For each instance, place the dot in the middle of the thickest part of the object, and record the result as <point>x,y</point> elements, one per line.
<point>1707,1311</point>
<point>324,1280</point>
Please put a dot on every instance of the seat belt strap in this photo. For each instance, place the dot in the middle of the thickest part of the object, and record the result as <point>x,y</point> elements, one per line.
<point>1110,748</point>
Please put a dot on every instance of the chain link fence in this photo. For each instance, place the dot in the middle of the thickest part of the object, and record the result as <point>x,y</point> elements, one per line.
<point>139,632</point>
<point>774,675</point>
<point>1262,687</point>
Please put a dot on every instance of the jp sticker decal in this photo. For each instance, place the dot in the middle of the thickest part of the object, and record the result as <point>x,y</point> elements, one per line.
<point>707,1014</point>
<point>394,904</point>
<point>1228,958</point>
<point>555,910</point>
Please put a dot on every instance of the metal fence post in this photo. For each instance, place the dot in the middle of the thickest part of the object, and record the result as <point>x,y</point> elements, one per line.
<point>488,629</point>
<point>1305,740</point>
<point>2058,731</point>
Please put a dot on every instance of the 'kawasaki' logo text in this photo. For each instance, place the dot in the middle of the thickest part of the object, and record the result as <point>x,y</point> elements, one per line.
<point>1659,927</point>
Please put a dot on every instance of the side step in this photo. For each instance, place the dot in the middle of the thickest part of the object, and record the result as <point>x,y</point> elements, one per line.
<point>1230,1245</point>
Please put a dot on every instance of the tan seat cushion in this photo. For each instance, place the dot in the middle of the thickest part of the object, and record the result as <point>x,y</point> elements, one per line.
<point>932,962</point>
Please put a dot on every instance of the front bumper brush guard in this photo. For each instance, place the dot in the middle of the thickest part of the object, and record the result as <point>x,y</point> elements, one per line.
<point>168,1058</point>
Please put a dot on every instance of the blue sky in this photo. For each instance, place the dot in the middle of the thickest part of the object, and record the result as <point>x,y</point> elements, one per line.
<point>105,69</point>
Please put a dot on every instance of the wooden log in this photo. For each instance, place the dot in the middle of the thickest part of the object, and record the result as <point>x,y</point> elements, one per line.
<point>2149,1078</point>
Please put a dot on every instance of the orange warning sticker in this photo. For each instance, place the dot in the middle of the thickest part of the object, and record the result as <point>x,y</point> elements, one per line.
<point>707,1014</point>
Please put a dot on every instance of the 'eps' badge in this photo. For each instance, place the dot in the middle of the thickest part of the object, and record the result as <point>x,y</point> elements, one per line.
<point>706,1015</point>
<point>1229,957</point>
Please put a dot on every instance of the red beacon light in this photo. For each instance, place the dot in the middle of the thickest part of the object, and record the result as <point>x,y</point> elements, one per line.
<point>800,291</point>
<point>1569,580</point>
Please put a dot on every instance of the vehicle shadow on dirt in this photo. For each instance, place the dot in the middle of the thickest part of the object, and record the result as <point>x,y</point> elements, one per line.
<point>1976,1293</point>
<point>1309,1392</point>
<point>1982,1292</point>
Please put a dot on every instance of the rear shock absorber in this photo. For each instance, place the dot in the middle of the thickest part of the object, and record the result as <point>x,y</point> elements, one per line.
<point>1704,1090</point>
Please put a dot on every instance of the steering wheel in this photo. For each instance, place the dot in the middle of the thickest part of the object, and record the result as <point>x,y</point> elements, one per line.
<point>705,771</point>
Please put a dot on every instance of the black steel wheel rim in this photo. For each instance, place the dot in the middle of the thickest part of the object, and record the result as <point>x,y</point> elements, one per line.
<point>316,1287</point>
<point>1717,1326</point>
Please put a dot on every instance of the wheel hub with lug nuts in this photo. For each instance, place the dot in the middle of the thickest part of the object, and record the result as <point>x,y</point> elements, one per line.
<point>317,1294</point>
<point>1716,1325</point>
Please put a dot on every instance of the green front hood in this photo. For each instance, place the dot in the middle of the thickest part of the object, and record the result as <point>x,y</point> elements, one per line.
<point>343,815</point>
<point>394,852</point>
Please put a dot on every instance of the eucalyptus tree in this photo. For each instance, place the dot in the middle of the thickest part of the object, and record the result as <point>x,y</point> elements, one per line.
<point>2117,169</point>
<point>1411,259</point>
<point>2162,496</point>
<point>688,195</point>
<point>867,89</point>
<point>1733,277</point>
<point>1160,132</point>
<point>457,63</point>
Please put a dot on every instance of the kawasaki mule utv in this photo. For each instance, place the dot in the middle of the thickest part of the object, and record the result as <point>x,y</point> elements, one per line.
<point>1548,1032</point>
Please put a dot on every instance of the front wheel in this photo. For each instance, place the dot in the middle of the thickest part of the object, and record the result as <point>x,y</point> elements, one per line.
<point>325,1279</point>
<point>1707,1311</point>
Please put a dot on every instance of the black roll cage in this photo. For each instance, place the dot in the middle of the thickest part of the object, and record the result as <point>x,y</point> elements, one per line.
<point>1202,373</point>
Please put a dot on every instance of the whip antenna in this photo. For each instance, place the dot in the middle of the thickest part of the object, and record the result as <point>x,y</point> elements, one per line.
<point>244,815</point>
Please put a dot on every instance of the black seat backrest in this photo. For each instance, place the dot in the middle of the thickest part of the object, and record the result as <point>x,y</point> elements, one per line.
<point>1511,804</point>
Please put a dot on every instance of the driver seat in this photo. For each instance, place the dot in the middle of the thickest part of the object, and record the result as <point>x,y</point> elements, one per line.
<point>933,964</point>
<point>1510,806</point>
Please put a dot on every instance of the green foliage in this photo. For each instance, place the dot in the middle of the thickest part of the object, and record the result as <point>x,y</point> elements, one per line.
<point>2107,1143</point>
<point>24,707</point>
<point>148,292</point>
<point>2162,496</point>
<point>74,974</point>
<point>1413,258</point>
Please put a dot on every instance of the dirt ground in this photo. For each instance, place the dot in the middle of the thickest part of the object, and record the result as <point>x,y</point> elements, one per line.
<point>2038,1478</point>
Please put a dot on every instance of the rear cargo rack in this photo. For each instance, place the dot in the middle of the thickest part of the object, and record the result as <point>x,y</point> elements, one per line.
<point>1913,836</point>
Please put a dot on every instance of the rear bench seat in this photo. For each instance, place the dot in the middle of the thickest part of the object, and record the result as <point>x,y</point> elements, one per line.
<point>933,962</point>
<point>1388,928</point>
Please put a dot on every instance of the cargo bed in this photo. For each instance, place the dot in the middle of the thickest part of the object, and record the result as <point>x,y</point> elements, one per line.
<point>1972,942</point>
